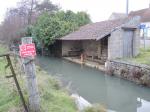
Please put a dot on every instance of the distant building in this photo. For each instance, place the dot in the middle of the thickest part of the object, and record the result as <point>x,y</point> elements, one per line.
<point>145,20</point>
<point>104,40</point>
<point>117,16</point>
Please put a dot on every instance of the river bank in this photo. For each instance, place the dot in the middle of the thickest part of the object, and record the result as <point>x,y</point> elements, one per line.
<point>52,96</point>
<point>135,69</point>
<point>91,64</point>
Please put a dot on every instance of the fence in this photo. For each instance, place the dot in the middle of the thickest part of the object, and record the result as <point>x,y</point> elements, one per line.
<point>9,85</point>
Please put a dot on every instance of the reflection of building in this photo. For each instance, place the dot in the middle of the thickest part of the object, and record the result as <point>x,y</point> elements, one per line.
<point>139,102</point>
<point>144,105</point>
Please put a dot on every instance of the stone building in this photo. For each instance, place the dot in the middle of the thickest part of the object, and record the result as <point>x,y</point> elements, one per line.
<point>145,26</point>
<point>145,20</point>
<point>104,40</point>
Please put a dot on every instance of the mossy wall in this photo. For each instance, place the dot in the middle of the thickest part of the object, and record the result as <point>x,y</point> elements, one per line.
<point>137,73</point>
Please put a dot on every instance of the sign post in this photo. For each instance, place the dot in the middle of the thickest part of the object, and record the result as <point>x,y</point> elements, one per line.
<point>143,26</point>
<point>27,52</point>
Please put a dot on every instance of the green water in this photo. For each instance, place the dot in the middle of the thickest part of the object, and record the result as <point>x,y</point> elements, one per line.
<point>115,94</point>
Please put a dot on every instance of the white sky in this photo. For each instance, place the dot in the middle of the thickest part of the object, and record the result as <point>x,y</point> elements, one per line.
<point>98,9</point>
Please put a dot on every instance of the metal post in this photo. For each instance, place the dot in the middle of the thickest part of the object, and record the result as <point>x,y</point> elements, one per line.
<point>144,38</point>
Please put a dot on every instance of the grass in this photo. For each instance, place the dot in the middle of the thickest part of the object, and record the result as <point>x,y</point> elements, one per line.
<point>142,58</point>
<point>8,97</point>
<point>53,98</point>
<point>95,108</point>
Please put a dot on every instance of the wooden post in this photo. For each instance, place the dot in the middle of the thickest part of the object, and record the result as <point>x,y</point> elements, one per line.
<point>30,71</point>
<point>15,79</point>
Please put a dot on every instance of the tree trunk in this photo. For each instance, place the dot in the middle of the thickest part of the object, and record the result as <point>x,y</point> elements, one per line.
<point>42,48</point>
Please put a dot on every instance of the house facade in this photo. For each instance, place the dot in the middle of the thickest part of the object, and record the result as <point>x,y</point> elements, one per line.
<point>144,26</point>
<point>104,40</point>
<point>145,21</point>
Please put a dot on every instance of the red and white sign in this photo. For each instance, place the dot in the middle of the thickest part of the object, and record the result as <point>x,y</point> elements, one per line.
<point>27,50</point>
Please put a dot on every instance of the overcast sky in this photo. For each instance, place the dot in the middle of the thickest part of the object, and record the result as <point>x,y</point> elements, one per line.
<point>98,9</point>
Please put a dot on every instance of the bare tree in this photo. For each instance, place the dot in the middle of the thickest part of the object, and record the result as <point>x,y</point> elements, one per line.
<point>18,20</point>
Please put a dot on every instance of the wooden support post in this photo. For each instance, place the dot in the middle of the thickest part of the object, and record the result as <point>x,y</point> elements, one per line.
<point>16,82</point>
<point>15,79</point>
<point>30,71</point>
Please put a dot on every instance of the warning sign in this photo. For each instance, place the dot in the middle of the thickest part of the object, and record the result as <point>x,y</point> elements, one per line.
<point>27,50</point>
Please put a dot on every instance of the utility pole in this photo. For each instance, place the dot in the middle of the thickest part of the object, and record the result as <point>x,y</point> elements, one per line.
<point>127,7</point>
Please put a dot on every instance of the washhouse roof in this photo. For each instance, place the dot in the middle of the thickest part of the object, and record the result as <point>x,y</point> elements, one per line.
<point>95,31</point>
<point>143,13</point>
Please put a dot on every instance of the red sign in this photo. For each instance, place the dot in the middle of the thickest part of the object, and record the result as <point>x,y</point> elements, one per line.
<point>27,50</point>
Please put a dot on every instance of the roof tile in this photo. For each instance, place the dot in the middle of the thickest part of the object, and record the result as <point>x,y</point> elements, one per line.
<point>144,14</point>
<point>95,31</point>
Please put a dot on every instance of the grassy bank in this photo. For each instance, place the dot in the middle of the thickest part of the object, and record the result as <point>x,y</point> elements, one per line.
<point>142,58</point>
<point>53,98</point>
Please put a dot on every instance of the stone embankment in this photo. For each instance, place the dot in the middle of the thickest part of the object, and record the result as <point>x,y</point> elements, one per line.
<point>86,63</point>
<point>137,73</point>
<point>134,72</point>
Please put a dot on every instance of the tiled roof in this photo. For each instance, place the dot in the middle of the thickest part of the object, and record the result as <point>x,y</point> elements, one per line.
<point>95,31</point>
<point>144,14</point>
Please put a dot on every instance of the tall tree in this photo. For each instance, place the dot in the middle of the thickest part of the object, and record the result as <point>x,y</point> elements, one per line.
<point>49,27</point>
<point>46,6</point>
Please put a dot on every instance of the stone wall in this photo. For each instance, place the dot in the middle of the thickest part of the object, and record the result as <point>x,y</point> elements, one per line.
<point>115,41</point>
<point>115,46</point>
<point>91,47</point>
<point>137,73</point>
<point>70,45</point>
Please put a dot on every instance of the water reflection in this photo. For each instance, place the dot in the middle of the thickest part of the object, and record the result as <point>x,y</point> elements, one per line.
<point>114,93</point>
<point>144,105</point>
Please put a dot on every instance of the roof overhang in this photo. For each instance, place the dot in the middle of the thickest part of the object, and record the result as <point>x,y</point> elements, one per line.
<point>73,39</point>
<point>129,27</point>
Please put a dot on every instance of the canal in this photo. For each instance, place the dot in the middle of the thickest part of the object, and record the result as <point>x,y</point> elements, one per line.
<point>113,93</point>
